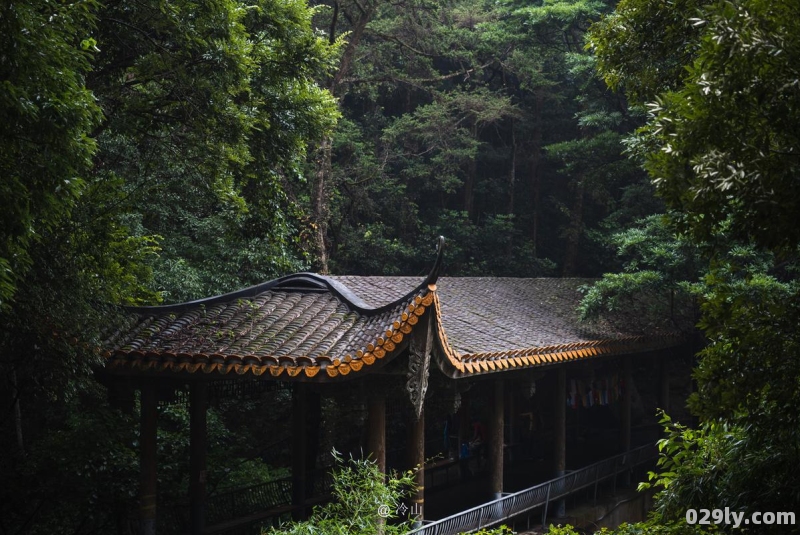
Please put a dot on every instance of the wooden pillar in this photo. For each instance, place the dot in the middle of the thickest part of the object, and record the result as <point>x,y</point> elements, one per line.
<point>561,432</point>
<point>663,397</point>
<point>416,460</point>
<point>376,424</point>
<point>496,439</point>
<point>463,421</point>
<point>198,404</point>
<point>313,427</point>
<point>513,436</point>
<point>625,413</point>
<point>15,394</point>
<point>625,407</point>
<point>299,439</point>
<point>147,460</point>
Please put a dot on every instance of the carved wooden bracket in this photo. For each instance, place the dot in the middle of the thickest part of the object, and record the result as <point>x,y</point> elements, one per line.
<point>419,364</point>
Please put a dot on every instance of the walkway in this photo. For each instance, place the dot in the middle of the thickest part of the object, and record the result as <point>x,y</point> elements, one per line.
<point>542,496</point>
<point>245,511</point>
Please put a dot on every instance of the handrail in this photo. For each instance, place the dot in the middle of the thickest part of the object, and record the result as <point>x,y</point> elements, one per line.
<point>261,497</point>
<point>228,505</point>
<point>494,512</point>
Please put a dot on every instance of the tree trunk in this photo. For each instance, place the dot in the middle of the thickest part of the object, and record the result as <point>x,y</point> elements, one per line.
<point>570,267</point>
<point>512,173</point>
<point>323,176</point>
<point>536,152</point>
<point>320,204</point>
<point>469,184</point>
<point>364,16</point>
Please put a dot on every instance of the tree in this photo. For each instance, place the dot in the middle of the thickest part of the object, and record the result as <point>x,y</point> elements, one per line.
<point>209,113</point>
<point>142,140</point>
<point>655,284</point>
<point>721,149</point>
<point>448,110</point>
<point>48,115</point>
<point>720,141</point>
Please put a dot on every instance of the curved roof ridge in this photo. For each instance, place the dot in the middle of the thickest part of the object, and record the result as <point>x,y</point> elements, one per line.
<point>152,344</point>
<point>303,281</point>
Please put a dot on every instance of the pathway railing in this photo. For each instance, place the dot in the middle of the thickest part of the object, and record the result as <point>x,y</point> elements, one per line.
<point>254,503</point>
<point>517,503</point>
<point>245,501</point>
<point>262,497</point>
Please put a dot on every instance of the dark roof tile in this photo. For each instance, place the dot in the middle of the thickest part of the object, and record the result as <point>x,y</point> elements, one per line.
<point>305,324</point>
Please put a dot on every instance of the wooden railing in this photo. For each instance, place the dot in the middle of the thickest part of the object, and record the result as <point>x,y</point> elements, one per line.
<point>234,510</point>
<point>248,500</point>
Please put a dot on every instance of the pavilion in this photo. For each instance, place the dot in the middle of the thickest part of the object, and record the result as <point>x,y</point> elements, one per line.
<point>389,334</point>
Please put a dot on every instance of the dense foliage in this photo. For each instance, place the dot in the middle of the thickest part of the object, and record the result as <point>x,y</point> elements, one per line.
<point>47,115</point>
<point>721,93</point>
<point>720,143</point>
<point>145,153</point>
<point>163,151</point>
<point>364,502</point>
<point>480,121</point>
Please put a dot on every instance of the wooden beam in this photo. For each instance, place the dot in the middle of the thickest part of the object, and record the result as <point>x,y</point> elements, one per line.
<point>147,460</point>
<point>299,444</point>
<point>198,440</point>
<point>496,439</point>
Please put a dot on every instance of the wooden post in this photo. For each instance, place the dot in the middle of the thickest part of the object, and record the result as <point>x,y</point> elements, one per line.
<point>463,437</point>
<point>663,397</point>
<point>376,424</point>
<point>198,403</point>
<point>419,359</point>
<point>416,460</point>
<point>463,421</point>
<point>15,393</point>
<point>313,425</point>
<point>147,460</point>
<point>625,412</point>
<point>561,432</point>
<point>496,440</point>
<point>299,450</point>
<point>513,436</point>
<point>625,408</point>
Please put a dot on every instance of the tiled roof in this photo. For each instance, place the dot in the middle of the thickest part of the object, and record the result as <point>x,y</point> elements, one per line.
<point>301,325</point>
<point>487,324</point>
<point>484,314</point>
<point>295,326</point>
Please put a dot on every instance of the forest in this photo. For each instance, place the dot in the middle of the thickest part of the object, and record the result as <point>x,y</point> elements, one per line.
<point>155,152</point>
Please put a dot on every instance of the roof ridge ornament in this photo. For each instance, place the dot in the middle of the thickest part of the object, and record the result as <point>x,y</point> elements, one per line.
<point>433,276</point>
